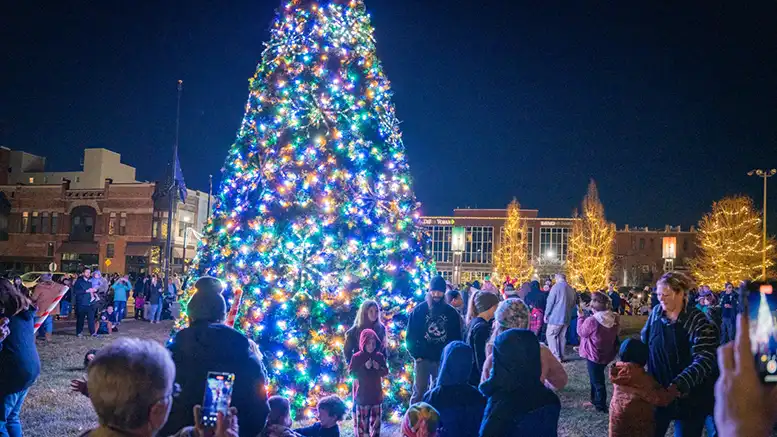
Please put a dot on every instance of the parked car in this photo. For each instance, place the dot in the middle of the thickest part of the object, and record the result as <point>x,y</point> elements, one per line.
<point>30,279</point>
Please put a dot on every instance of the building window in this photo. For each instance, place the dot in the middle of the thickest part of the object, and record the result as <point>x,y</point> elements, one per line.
<point>529,240</point>
<point>110,250</point>
<point>181,229</point>
<point>441,243</point>
<point>479,248</point>
<point>633,243</point>
<point>112,224</point>
<point>54,223</point>
<point>32,180</point>
<point>25,222</point>
<point>82,227</point>
<point>641,243</point>
<point>652,245</point>
<point>50,249</point>
<point>123,224</point>
<point>685,245</point>
<point>554,243</point>
<point>446,274</point>
<point>35,223</point>
<point>45,224</point>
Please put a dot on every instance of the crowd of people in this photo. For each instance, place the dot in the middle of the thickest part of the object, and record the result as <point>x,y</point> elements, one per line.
<point>487,362</point>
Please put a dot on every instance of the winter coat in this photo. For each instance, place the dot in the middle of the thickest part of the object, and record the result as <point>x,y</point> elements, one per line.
<point>316,430</point>
<point>460,404</point>
<point>205,347</point>
<point>83,298</point>
<point>518,404</point>
<point>19,361</point>
<point>352,336</point>
<point>561,301</point>
<point>683,353</point>
<point>615,298</point>
<point>428,334</point>
<point>367,387</point>
<point>553,374</point>
<point>733,301</point>
<point>120,291</point>
<point>635,395</point>
<point>139,288</point>
<point>276,431</point>
<point>599,336</point>
<point>154,292</point>
<point>477,337</point>
<point>44,294</point>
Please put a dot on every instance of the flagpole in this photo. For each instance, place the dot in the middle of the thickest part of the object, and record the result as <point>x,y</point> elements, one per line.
<point>210,194</point>
<point>172,193</point>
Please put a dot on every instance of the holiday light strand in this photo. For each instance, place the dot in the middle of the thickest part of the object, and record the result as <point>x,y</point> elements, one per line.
<point>591,252</point>
<point>512,258</point>
<point>316,213</point>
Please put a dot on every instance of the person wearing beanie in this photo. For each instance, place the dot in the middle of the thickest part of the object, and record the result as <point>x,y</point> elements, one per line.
<point>635,393</point>
<point>480,330</point>
<point>421,420</point>
<point>209,345</point>
<point>431,326</point>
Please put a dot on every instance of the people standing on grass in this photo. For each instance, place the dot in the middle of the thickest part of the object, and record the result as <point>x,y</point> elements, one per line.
<point>518,403</point>
<point>598,345</point>
<point>368,366</point>
<point>558,314</point>
<point>485,304</point>
<point>682,343</point>
<point>513,314</point>
<point>431,326</point>
<point>458,402</point>
<point>19,361</point>
<point>368,317</point>
<point>44,294</point>
<point>85,312</point>
<point>121,289</point>
<point>729,306</point>
<point>155,294</point>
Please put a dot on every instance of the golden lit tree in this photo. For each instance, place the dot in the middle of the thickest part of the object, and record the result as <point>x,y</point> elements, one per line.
<point>513,258</point>
<point>730,244</point>
<point>591,249</point>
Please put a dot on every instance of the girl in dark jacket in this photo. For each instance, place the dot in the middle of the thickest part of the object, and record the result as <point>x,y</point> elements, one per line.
<point>19,362</point>
<point>368,366</point>
<point>368,317</point>
<point>460,404</point>
<point>518,403</point>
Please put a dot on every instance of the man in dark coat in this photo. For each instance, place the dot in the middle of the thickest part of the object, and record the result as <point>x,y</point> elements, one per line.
<point>84,307</point>
<point>207,345</point>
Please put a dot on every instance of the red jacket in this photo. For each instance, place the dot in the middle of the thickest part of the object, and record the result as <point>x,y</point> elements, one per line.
<point>367,388</point>
<point>635,395</point>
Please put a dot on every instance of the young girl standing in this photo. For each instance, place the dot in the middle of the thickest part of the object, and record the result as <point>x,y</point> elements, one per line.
<point>598,345</point>
<point>368,317</point>
<point>369,367</point>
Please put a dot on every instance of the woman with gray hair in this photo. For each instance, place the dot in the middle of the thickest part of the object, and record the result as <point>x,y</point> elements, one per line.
<point>209,345</point>
<point>131,387</point>
<point>513,313</point>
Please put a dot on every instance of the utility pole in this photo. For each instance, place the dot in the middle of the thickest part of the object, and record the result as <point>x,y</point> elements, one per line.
<point>763,174</point>
<point>172,192</point>
<point>210,194</point>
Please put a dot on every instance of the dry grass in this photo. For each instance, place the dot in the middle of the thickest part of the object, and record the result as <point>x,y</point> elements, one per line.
<point>52,410</point>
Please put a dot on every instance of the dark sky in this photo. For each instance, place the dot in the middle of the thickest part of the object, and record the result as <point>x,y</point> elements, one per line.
<point>667,106</point>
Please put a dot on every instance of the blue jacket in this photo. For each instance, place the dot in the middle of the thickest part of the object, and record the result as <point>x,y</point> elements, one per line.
<point>729,299</point>
<point>518,403</point>
<point>213,347</point>
<point>19,361</point>
<point>561,301</point>
<point>460,404</point>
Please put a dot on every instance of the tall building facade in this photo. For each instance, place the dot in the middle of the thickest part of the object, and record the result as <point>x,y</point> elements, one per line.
<point>98,165</point>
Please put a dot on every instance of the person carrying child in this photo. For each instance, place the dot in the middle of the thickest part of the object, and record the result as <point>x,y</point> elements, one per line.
<point>598,345</point>
<point>369,367</point>
<point>635,393</point>
<point>331,410</point>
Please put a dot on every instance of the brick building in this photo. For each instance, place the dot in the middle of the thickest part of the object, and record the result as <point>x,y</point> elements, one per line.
<point>642,255</point>
<point>109,227</point>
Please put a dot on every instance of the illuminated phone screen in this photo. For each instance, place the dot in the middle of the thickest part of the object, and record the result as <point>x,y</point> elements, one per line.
<point>218,395</point>
<point>762,308</point>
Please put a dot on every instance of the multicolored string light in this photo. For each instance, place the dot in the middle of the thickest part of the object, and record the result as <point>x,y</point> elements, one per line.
<point>316,212</point>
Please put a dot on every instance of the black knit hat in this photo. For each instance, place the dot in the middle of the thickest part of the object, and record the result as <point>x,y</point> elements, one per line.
<point>207,304</point>
<point>438,284</point>
<point>634,351</point>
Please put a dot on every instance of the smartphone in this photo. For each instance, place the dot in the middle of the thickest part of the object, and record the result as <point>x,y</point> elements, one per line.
<point>218,395</point>
<point>759,299</point>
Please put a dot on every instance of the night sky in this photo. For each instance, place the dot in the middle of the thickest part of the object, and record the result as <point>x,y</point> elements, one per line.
<point>666,106</point>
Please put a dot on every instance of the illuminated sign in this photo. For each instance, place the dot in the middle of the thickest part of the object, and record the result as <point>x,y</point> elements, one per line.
<point>437,221</point>
<point>669,247</point>
<point>458,239</point>
<point>552,223</point>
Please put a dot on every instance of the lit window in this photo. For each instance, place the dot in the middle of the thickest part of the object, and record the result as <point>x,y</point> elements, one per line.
<point>32,180</point>
<point>479,247</point>
<point>554,243</point>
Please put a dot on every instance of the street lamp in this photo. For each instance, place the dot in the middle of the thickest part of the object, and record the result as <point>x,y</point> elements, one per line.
<point>763,174</point>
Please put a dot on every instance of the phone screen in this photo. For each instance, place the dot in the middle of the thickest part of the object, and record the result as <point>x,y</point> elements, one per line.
<point>218,395</point>
<point>761,305</point>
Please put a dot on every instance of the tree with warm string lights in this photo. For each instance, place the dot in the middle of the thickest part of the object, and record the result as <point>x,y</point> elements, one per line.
<point>512,258</point>
<point>730,244</point>
<point>316,213</point>
<point>591,251</point>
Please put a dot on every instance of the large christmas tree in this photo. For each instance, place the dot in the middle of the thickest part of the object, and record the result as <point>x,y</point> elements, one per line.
<point>315,212</point>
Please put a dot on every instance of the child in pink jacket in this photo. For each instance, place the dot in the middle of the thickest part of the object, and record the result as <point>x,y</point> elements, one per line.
<point>598,345</point>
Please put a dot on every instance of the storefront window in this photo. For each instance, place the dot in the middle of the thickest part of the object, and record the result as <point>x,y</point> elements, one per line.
<point>553,243</point>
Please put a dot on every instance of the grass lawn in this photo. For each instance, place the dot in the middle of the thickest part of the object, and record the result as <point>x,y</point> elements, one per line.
<point>52,410</point>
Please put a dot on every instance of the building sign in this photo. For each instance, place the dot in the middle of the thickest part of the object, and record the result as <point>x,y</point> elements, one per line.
<point>555,224</point>
<point>669,246</point>
<point>436,221</point>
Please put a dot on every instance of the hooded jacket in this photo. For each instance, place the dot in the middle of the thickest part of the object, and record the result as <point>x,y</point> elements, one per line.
<point>367,388</point>
<point>19,361</point>
<point>429,332</point>
<point>634,397</point>
<point>518,403</point>
<point>598,336</point>
<point>460,404</point>
<point>204,347</point>
<point>477,337</point>
<point>353,336</point>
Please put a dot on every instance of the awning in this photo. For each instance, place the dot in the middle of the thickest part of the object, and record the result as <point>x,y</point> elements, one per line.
<point>138,248</point>
<point>79,247</point>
